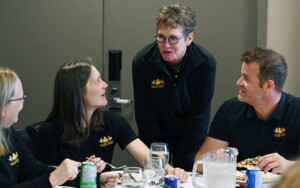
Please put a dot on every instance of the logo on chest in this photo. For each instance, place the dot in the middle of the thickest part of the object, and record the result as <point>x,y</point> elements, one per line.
<point>280,132</point>
<point>106,141</point>
<point>157,84</point>
<point>13,159</point>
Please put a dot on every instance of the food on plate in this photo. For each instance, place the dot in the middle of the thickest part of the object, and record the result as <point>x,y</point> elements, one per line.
<point>241,176</point>
<point>119,177</point>
<point>136,176</point>
<point>248,163</point>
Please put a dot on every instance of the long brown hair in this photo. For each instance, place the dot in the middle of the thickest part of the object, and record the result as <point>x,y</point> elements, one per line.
<point>68,102</point>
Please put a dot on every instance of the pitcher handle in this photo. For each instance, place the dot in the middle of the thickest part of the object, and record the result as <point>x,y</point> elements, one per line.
<point>194,174</point>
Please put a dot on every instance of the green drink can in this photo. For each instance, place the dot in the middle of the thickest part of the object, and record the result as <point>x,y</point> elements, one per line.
<point>88,175</point>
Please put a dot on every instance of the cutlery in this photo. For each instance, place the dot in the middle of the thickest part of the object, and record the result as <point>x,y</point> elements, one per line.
<point>112,166</point>
<point>116,167</point>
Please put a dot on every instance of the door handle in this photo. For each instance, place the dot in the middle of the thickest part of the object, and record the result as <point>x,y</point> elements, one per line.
<point>122,101</point>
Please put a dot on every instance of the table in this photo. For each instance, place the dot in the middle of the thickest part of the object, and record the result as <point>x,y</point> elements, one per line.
<point>188,184</point>
<point>199,179</point>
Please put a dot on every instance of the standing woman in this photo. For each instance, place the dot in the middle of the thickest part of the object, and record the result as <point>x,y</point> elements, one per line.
<point>173,82</point>
<point>78,129</point>
<point>18,168</point>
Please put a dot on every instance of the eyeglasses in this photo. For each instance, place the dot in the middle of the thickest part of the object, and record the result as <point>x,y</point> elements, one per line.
<point>171,39</point>
<point>24,98</point>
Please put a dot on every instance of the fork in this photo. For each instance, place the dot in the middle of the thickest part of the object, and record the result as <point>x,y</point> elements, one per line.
<point>116,167</point>
<point>112,166</point>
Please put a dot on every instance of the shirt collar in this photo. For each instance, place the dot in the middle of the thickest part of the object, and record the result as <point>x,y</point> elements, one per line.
<point>277,114</point>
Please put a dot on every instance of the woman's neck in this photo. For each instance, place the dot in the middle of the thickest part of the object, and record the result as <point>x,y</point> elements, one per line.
<point>89,115</point>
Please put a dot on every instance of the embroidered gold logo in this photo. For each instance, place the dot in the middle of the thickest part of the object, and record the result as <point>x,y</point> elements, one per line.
<point>279,132</point>
<point>158,83</point>
<point>13,159</point>
<point>105,141</point>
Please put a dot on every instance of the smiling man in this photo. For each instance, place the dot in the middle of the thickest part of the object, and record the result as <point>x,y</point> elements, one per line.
<point>262,120</point>
<point>173,81</point>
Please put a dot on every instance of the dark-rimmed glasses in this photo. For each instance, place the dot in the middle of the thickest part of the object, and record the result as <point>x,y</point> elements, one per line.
<point>171,39</point>
<point>19,99</point>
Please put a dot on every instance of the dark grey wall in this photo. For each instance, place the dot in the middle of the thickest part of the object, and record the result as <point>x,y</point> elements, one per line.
<point>37,37</point>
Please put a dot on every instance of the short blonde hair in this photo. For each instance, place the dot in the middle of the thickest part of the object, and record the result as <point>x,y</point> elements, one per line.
<point>175,15</point>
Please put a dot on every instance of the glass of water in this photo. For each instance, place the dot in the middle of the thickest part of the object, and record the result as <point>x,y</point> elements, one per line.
<point>154,172</point>
<point>132,177</point>
<point>160,150</point>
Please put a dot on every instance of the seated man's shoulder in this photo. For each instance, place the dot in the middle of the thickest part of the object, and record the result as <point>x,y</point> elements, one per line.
<point>233,104</point>
<point>293,101</point>
<point>234,107</point>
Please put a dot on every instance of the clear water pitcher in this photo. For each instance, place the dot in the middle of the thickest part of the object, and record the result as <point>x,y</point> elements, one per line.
<point>219,168</point>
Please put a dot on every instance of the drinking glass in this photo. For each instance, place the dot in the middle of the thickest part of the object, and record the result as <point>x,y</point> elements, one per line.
<point>160,150</point>
<point>132,177</point>
<point>153,172</point>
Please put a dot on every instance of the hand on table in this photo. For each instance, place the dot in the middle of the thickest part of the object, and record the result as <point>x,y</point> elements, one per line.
<point>108,179</point>
<point>273,161</point>
<point>100,164</point>
<point>67,170</point>
<point>182,174</point>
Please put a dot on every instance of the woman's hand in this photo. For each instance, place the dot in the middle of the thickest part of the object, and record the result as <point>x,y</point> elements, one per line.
<point>100,164</point>
<point>67,170</point>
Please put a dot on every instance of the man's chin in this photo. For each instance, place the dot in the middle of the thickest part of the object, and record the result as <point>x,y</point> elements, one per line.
<point>240,98</point>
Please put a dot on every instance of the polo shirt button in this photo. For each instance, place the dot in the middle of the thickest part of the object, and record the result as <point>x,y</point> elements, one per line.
<point>175,84</point>
<point>176,76</point>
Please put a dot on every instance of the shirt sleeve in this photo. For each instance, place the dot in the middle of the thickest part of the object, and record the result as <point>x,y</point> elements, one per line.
<point>219,127</point>
<point>119,127</point>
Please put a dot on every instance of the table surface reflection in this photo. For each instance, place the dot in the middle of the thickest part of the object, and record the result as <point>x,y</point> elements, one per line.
<point>199,179</point>
<point>188,184</point>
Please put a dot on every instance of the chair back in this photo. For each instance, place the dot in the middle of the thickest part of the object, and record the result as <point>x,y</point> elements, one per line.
<point>29,134</point>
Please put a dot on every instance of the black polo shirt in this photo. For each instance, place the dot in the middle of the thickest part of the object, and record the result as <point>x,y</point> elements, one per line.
<point>237,123</point>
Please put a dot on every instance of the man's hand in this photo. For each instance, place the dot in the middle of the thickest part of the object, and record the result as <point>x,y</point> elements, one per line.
<point>109,179</point>
<point>273,161</point>
<point>67,170</point>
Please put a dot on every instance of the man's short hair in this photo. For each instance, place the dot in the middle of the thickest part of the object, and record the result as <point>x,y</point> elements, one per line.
<point>272,65</point>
